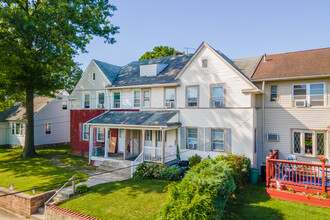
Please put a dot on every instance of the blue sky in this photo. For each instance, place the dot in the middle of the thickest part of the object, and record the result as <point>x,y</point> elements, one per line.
<point>238,28</point>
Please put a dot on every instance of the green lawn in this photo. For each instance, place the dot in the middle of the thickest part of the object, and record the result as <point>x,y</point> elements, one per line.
<point>253,203</point>
<point>78,162</point>
<point>128,199</point>
<point>33,172</point>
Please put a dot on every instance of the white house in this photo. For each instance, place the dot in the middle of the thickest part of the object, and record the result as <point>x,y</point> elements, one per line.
<point>51,121</point>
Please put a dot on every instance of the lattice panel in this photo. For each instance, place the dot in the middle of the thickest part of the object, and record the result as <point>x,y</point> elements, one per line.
<point>296,142</point>
<point>320,144</point>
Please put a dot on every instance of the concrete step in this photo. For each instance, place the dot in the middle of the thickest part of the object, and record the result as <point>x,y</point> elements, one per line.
<point>38,216</point>
<point>115,163</point>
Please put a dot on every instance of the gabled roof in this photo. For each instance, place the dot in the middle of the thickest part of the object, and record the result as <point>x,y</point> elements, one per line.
<point>129,74</point>
<point>247,65</point>
<point>136,118</point>
<point>7,112</point>
<point>109,70</point>
<point>294,65</point>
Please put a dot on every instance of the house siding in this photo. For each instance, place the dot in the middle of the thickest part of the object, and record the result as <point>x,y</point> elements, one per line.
<point>4,132</point>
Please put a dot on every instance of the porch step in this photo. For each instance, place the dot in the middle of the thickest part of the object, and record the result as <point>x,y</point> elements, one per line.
<point>124,168</point>
<point>41,210</point>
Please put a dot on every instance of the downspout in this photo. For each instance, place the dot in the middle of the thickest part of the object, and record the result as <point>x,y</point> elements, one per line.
<point>263,118</point>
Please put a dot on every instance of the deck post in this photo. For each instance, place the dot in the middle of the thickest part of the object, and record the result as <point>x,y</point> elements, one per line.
<point>267,172</point>
<point>143,143</point>
<point>163,146</point>
<point>323,179</point>
<point>106,142</point>
<point>91,135</point>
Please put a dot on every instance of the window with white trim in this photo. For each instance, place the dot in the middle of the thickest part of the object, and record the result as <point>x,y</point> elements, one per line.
<point>48,128</point>
<point>87,100</point>
<point>18,129</point>
<point>218,96</point>
<point>170,97</point>
<point>312,94</point>
<point>308,143</point>
<point>100,135</point>
<point>192,138</point>
<point>218,143</point>
<point>192,96</point>
<point>159,136</point>
<point>100,100</point>
<point>273,93</point>
<point>85,132</point>
<point>116,100</point>
<point>136,98</point>
<point>146,98</point>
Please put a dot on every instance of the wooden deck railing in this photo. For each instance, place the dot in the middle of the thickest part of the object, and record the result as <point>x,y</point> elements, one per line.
<point>299,176</point>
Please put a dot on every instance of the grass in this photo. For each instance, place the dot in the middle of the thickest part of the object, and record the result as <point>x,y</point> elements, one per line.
<point>253,203</point>
<point>27,173</point>
<point>78,162</point>
<point>128,199</point>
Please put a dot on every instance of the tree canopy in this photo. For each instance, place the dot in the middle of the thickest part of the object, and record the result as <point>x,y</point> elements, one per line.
<point>160,51</point>
<point>38,41</point>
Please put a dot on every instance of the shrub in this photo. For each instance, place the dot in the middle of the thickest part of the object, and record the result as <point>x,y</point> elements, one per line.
<point>239,167</point>
<point>202,194</point>
<point>194,160</point>
<point>171,174</point>
<point>81,189</point>
<point>148,171</point>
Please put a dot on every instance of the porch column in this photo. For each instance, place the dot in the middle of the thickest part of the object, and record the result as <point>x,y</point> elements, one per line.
<point>143,143</point>
<point>106,142</point>
<point>91,135</point>
<point>163,146</point>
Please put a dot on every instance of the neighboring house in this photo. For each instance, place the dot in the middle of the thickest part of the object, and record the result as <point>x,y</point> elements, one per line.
<point>295,106</point>
<point>51,122</point>
<point>204,103</point>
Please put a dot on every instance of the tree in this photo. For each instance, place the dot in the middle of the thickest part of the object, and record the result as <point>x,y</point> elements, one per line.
<point>160,51</point>
<point>38,41</point>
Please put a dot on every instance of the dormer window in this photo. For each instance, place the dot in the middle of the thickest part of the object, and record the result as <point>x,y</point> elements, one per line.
<point>93,76</point>
<point>151,69</point>
<point>204,63</point>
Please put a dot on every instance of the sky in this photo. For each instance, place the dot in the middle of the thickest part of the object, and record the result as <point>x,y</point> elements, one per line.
<point>239,29</point>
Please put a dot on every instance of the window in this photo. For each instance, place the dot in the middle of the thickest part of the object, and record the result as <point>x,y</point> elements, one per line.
<point>137,98</point>
<point>146,98</point>
<point>310,94</point>
<point>273,93</point>
<point>121,133</point>
<point>100,100</point>
<point>116,100</point>
<point>48,128</point>
<point>204,63</point>
<point>148,135</point>
<point>170,98</point>
<point>18,129</point>
<point>87,100</point>
<point>192,138</point>
<point>218,96</point>
<point>100,135</point>
<point>85,132</point>
<point>64,105</point>
<point>192,96</point>
<point>218,140</point>
<point>159,136</point>
<point>94,76</point>
<point>309,143</point>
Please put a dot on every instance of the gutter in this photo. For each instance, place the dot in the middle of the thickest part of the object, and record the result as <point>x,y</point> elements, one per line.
<point>291,78</point>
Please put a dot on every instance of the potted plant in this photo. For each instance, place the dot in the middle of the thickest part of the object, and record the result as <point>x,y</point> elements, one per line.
<point>323,160</point>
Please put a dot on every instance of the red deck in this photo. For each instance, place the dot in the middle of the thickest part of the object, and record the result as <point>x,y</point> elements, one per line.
<point>283,176</point>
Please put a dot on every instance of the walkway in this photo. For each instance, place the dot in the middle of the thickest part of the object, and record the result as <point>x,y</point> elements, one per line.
<point>7,215</point>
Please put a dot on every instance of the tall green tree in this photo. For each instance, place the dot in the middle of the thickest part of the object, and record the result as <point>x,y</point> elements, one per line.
<point>160,51</point>
<point>38,41</point>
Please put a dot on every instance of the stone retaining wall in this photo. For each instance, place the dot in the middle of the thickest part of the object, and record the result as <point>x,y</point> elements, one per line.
<point>21,203</point>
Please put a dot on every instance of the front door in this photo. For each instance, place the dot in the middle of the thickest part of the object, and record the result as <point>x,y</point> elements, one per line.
<point>113,140</point>
<point>121,140</point>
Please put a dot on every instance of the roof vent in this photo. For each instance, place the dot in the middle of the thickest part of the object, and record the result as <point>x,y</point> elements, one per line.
<point>151,69</point>
<point>265,58</point>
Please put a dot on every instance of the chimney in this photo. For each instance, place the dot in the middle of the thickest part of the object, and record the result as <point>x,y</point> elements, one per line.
<point>265,58</point>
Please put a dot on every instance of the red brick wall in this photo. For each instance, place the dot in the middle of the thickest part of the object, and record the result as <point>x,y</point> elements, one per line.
<point>54,213</point>
<point>21,203</point>
<point>78,117</point>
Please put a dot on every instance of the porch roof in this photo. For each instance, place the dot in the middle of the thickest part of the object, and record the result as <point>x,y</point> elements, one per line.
<point>137,118</point>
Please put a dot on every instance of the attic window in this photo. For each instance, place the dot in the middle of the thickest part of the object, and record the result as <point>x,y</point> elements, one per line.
<point>204,63</point>
<point>93,76</point>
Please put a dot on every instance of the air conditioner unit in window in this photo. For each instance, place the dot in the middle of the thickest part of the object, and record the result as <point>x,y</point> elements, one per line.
<point>169,104</point>
<point>100,106</point>
<point>273,137</point>
<point>218,103</point>
<point>192,145</point>
<point>300,103</point>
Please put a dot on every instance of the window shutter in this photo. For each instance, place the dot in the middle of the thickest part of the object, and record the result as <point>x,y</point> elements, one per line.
<point>80,129</point>
<point>201,139</point>
<point>183,138</point>
<point>208,139</point>
<point>228,140</point>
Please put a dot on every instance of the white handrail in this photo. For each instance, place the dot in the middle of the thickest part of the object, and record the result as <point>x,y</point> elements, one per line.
<point>137,161</point>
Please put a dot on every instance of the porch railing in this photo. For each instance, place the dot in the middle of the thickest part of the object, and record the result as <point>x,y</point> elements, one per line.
<point>136,162</point>
<point>299,176</point>
<point>152,154</point>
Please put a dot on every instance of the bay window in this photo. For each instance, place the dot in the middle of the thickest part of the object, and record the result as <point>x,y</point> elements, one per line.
<point>308,143</point>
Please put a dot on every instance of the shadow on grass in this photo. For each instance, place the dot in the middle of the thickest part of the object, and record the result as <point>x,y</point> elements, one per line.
<point>246,205</point>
